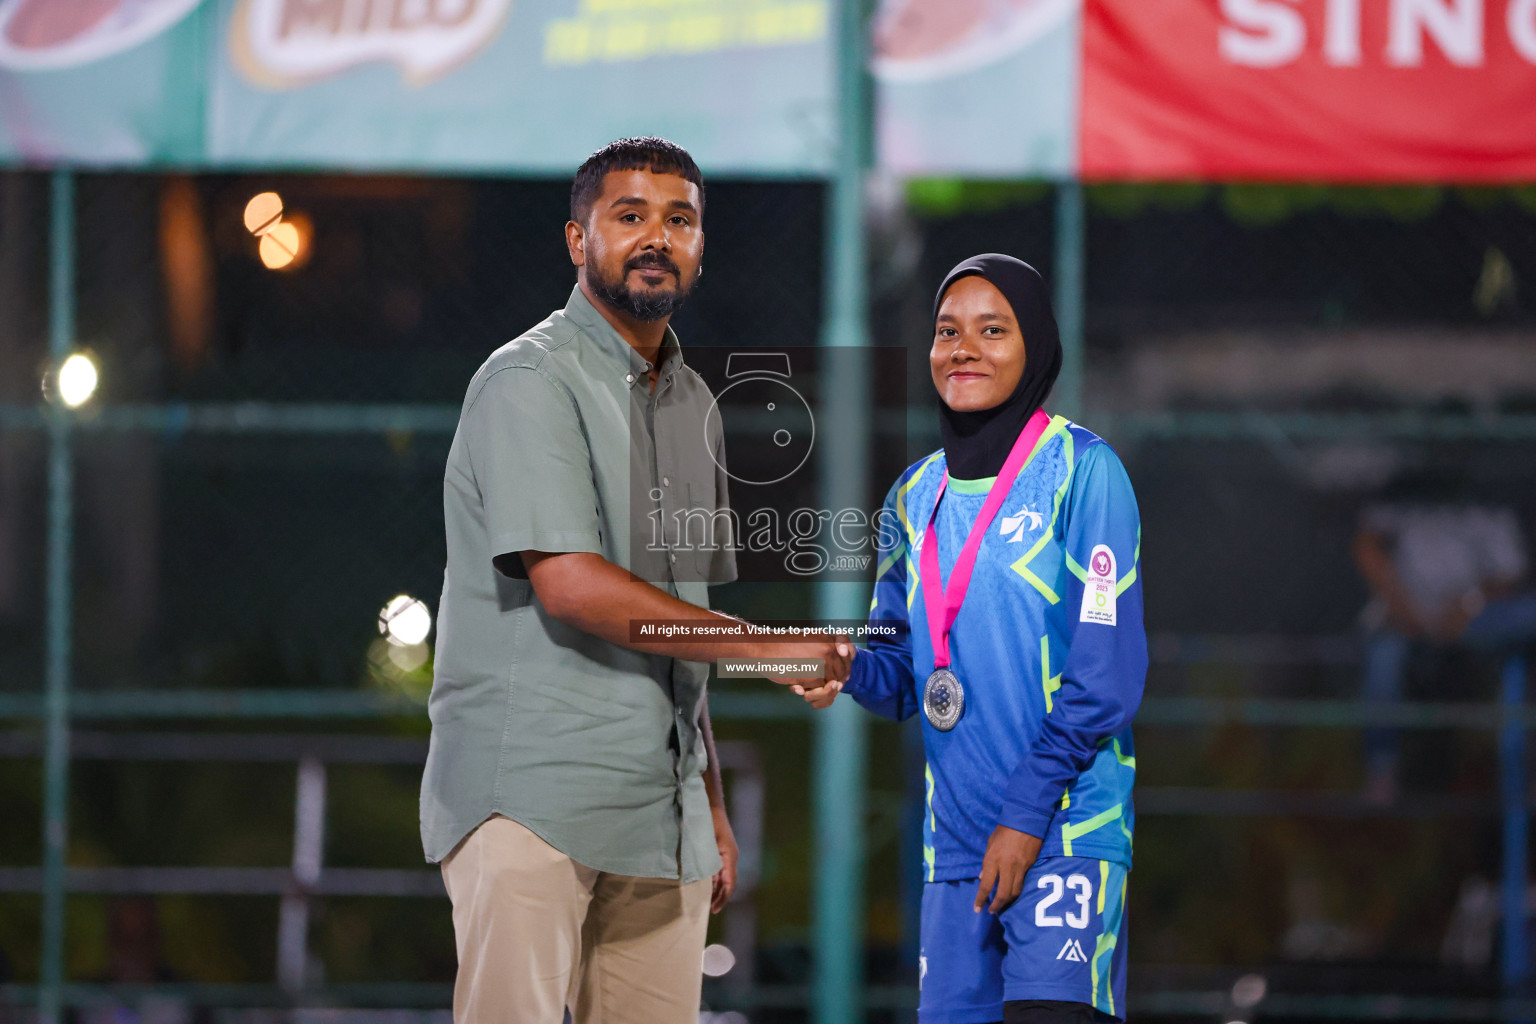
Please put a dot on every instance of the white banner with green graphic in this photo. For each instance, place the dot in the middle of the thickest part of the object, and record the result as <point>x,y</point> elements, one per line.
<point>525,86</point>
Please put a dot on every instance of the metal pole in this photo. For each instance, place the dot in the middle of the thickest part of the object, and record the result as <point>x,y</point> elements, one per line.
<point>61,338</point>
<point>308,857</point>
<point>840,738</point>
<point>1516,968</point>
<point>1070,255</point>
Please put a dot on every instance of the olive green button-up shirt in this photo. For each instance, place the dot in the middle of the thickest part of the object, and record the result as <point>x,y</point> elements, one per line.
<point>562,447</point>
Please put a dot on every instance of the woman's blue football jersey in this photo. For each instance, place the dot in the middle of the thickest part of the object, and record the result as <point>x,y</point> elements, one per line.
<point>1048,645</point>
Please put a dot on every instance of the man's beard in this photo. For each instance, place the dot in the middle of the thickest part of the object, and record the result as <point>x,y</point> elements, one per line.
<point>648,305</point>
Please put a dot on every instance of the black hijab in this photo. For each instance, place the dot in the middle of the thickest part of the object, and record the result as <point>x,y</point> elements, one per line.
<point>976,444</point>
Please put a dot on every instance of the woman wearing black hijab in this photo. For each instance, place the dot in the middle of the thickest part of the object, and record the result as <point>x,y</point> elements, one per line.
<point>1009,563</point>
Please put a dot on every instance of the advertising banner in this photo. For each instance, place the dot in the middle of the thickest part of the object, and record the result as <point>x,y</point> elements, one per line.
<point>524,86</point>
<point>967,87</point>
<point>102,81</point>
<point>1343,90</point>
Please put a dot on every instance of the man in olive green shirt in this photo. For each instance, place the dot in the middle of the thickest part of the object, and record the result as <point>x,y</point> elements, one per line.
<point>570,791</point>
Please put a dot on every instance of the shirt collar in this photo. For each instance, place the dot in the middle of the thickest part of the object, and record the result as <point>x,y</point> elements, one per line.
<point>632,364</point>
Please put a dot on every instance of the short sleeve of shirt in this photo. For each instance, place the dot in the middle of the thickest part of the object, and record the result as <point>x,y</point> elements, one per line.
<point>722,566</point>
<point>531,465</point>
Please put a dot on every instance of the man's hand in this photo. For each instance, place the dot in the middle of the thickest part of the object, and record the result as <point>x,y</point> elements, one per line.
<point>725,878</point>
<point>835,650</point>
<point>1010,855</point>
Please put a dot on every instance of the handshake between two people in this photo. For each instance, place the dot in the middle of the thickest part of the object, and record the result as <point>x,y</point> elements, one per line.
<point>836,653</point>
<point>587,592</point>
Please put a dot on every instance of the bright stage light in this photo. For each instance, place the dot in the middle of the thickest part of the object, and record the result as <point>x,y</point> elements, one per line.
<point>718,960</point>
<point>77,380</point>
<point>405,621</point>
<point>262,212</point>
<point>280,242</point>
<point>280,246</point>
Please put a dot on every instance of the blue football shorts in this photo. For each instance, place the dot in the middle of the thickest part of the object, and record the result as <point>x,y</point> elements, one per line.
<point>1063,938</point>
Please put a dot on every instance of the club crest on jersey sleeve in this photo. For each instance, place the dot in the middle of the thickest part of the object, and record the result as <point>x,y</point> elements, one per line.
<point>1099,587</point>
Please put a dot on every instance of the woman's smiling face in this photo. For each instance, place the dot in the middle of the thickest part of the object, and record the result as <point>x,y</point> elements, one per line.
<point>977,357</point>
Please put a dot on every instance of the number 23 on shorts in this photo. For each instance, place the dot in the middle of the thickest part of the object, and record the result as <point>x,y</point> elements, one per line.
<point>1075,913</point>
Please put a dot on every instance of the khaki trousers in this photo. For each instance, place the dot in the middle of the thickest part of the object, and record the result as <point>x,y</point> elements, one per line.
<point>537,933</point>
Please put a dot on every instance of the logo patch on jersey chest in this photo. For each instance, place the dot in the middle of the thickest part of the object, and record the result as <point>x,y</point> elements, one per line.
<point>1024,520</point>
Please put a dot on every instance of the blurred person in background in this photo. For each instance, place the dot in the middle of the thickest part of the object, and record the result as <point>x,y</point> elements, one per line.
<point>1021,641</point>
<point>135,956</point>
<point>1440,571</point>
<point>571,791</point>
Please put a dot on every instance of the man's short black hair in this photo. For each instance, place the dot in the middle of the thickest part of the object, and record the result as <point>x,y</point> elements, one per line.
<point>646,153</point>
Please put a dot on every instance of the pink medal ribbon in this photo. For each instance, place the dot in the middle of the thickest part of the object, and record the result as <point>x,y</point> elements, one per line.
<point>943,696</point>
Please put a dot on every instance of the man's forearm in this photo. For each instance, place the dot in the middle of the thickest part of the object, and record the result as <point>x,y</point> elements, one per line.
<point>595,596</point>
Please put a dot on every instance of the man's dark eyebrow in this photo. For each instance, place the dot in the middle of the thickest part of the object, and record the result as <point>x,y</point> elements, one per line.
<point>676,204</point>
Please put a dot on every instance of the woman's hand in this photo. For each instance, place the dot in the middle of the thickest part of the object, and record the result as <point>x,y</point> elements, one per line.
<point>821,697</point>
<point>1010,855</point>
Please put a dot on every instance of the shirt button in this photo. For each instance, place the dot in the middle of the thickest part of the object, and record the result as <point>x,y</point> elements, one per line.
<point>629,378</point>
<point>666,481</point>
<point>674,557</point>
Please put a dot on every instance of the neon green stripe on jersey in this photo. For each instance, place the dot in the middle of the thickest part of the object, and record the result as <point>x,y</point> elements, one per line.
<point>928,779</point>
<point>1038,583</point>
<point>901,498</point>
<point>1108,938</point>
<point>1050,683</point>
<point>1068,455</point>
<point>928,854</point>
<point>1022,566</point>
<point>1058,426</point>
<point>1130,577</point>
<point>1106,944</point>
<point>908,528</point>
<point>1069,831</point>
<point>981,486</point>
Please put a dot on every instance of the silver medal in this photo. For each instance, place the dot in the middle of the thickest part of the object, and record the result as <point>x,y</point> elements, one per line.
<point>943,699</point>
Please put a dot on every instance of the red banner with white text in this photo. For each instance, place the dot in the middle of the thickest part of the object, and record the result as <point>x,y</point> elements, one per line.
<point>1343,90</point>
